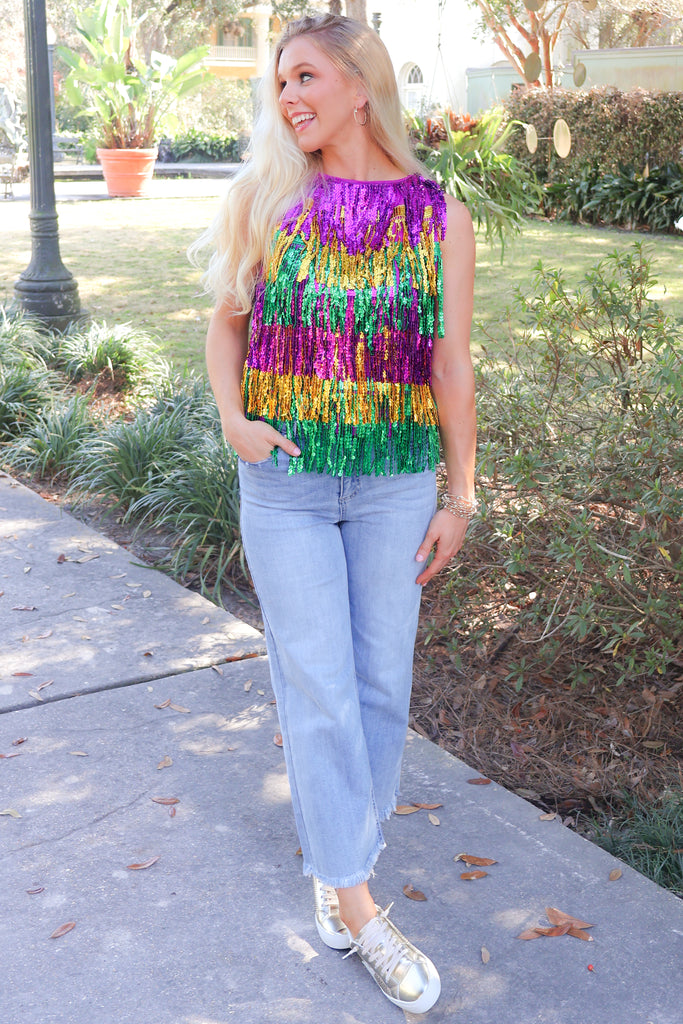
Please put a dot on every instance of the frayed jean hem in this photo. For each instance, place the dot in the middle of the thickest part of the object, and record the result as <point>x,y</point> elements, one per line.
<point>349,880</point>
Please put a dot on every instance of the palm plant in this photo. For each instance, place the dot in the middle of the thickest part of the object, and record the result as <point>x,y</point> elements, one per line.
<point>130,98</point>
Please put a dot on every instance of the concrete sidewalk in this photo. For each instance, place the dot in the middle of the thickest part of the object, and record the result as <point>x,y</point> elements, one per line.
<point>154,693</point>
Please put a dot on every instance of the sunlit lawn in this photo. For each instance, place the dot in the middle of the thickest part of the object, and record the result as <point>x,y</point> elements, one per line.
<point>128,257</point>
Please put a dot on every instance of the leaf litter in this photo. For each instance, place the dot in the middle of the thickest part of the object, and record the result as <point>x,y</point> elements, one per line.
<point>560,924</point>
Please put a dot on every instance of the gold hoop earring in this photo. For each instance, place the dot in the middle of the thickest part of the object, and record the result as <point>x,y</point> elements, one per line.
<point>362,123</point>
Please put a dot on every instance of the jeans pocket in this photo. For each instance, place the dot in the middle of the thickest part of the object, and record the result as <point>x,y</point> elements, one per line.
<point>255,465</point>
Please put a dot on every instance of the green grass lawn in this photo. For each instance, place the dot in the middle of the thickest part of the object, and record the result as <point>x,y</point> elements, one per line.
<point>128,257</point>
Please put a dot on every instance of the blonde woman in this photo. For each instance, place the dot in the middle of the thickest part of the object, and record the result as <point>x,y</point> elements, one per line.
<point>338,353</point>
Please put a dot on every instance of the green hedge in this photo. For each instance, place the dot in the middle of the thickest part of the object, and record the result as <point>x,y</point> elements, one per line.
<point>609,128</point>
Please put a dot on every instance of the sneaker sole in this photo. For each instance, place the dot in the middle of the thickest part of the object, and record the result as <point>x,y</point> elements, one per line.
<point>335,940</point>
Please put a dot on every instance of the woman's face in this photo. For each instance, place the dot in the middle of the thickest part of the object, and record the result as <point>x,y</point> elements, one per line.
<point>315,98</point>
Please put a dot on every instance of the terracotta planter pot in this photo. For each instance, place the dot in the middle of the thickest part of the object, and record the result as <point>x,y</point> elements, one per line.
<point>127,172</point>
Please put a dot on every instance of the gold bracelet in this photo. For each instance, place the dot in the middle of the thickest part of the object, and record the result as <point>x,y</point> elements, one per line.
<point>459,506</point>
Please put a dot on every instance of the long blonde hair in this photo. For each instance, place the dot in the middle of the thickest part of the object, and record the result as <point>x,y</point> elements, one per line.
<point>277,173</point>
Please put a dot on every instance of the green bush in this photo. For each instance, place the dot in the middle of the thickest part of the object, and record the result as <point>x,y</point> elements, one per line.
<point>198,501</point>
<point>609,128</point>
<point>626,198</point>
<point>467,157</point>
<point>126,355</point>
<point>581,468</point>
<point>24,390</point>
<point>50,444</point>
<point>200,147</point>
<point>128,458</point>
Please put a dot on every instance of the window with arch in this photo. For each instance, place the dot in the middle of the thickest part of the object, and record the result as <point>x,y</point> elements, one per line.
<point>412,86</point>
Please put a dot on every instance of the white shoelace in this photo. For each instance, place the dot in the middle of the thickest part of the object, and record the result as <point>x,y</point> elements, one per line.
<point>328,896</point>
<point>380,944</point>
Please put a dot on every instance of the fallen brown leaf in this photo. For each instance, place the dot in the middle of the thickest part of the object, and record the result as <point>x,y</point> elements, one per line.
<point>78,753</point>
<point>469,876</point>
<point>145,864</point>
<point>556,916</point>
<point>277,739</point>
<point>35,695</point>
<point>579,933</point>
<point>553,932</point>
<point>479,781</point>
<point>478,862</point>
<point>48,682</point>
<point>217,669</point>
<point>167,801</point>
<point>433,820</point>
<point>63,929</point>
<point>61,559</point>
<point>550,816</point>
<point>22,674</point>
<point>414,894</point>
<point>427,807</point>
<point>299,853</point>
<point>17,743</point>
<point>10,812</point>
<point>165,762</point>
<point>34,892</point>
<point>407,809</point>
<point>179,707</point>
<point>6,757</point>
<point>171,812</point>
<point>248,685</point>
<point>614,874</point>
<point>166,704</point>
<point>485,955</point>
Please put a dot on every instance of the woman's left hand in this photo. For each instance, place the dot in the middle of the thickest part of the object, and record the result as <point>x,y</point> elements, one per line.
<point>447,532</point>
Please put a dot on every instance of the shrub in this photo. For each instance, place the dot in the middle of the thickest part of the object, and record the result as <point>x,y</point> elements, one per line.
<point>128,458</point>
<point>125,354</point>
<point>608,127</point>
<point>200,147</point>
<point>51,443</point>
<point>626,198</point>
<point>24,390</point>
<point>198,500</point>
<point>467,157</point>
<point>581,463</point>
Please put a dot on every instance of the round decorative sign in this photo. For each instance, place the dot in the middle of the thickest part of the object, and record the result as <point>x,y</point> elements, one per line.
<point>579,74</point>
<point>562,138</point>
<point>531,138</point>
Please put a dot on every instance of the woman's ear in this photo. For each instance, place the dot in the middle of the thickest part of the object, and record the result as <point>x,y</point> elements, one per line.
<point>360,99</point>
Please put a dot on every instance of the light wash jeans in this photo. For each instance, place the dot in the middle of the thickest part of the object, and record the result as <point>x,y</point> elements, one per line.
<point>333,563</point>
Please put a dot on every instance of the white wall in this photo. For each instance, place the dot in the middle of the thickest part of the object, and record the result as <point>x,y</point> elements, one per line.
<point>410,30</point>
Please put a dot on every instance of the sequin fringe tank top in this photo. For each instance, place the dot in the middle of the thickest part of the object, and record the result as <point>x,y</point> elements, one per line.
<point>344,318</point>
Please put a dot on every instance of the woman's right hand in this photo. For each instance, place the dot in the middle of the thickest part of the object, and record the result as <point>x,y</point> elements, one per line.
<point>254,440</point>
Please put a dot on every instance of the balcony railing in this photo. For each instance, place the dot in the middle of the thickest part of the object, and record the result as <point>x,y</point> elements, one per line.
<point>232,55</point>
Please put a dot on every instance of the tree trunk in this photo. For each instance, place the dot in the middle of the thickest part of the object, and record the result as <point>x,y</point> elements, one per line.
<point>335,7</point>
<point>357,9</point>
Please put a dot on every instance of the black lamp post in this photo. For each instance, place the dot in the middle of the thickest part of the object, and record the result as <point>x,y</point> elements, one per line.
<point>45,289</point>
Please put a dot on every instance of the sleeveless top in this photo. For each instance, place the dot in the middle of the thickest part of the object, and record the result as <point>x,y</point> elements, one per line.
<point>344,317</point>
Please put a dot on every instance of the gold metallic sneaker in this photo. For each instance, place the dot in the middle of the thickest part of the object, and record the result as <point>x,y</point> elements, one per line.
<point>331,928</point>
<point>407,977</point>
